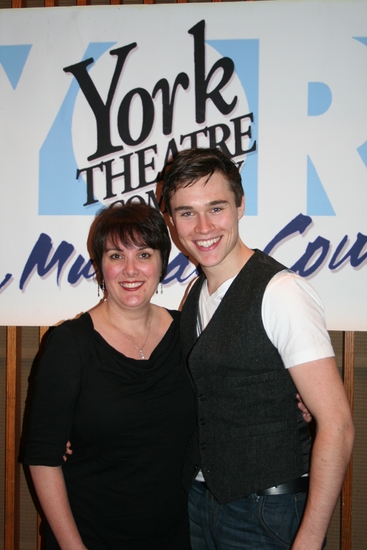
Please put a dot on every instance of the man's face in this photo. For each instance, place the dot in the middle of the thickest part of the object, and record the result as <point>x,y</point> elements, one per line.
<point>206,219</point>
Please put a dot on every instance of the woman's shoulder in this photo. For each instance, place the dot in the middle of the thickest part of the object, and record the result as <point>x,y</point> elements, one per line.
<point>80,324</point>
<point>161,312</point>
<point>80,327</point>
<point>164,319</point>
<point>174,314</point>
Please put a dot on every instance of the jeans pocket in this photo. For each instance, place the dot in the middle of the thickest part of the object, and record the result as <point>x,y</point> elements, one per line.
<point>281,516</point>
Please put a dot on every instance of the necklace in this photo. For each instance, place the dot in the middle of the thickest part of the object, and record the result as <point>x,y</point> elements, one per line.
<point>140,350</point>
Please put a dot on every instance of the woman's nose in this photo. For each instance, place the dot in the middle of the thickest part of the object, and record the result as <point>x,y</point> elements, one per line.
<point>130,267</point>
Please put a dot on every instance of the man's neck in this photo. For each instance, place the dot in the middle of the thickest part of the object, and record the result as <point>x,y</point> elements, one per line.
<point>229,268</point>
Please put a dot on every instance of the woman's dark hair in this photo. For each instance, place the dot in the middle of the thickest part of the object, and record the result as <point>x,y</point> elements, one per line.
<point>133,224</point>
<point>190,165</point>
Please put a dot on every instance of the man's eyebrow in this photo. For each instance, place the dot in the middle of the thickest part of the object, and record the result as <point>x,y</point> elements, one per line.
<point>181,208</point>
<point>211,203</point>
<point>215,203</point>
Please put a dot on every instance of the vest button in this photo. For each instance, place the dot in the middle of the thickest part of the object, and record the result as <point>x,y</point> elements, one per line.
<point>202,397</point>
<point>203,446</point>
<point>202,422</point>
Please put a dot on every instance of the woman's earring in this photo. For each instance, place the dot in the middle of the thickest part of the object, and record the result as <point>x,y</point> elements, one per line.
<point>102,286</point>
<point>161,288</point>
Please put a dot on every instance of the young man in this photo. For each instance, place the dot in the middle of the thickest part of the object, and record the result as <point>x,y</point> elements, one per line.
<point>254,334</point>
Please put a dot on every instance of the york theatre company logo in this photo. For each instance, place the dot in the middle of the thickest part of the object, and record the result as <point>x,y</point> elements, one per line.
<point>130,108</point>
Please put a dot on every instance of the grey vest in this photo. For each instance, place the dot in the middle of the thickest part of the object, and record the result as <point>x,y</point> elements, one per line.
<point>251,434</point>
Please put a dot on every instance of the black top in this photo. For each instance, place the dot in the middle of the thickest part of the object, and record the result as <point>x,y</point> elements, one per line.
<point>129,422</point>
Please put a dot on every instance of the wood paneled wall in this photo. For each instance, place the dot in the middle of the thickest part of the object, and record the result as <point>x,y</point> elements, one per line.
<point>12,435</point>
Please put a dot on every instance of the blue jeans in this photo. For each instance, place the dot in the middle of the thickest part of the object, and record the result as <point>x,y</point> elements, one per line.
<point>251,523</point>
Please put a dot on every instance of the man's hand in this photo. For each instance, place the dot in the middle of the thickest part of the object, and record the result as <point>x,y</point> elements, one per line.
<point>321,387</point>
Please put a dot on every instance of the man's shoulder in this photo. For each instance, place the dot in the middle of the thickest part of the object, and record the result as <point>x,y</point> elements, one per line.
<point>259,270</point>
<point>264,259</point>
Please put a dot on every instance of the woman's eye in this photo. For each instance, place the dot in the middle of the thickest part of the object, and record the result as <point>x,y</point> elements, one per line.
<point>145,255</point>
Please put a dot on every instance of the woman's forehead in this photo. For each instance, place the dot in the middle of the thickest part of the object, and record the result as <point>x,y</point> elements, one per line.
<point>126,240</point>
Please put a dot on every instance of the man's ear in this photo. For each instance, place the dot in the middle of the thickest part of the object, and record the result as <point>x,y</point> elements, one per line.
<point>171,221</point>
<point>241,208</point>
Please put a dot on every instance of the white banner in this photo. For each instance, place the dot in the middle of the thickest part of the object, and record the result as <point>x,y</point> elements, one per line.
<point>94,100</point>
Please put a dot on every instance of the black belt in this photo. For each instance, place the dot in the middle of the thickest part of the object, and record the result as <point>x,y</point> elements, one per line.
<point>299,485</point>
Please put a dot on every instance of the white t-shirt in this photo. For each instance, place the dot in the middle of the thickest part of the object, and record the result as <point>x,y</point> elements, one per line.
<point>292,314</point>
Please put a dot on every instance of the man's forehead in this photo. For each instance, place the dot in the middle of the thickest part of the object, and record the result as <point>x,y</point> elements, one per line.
<point>213,189</point>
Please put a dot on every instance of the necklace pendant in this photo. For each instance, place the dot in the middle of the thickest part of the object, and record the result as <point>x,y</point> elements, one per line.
<point>140,350</point>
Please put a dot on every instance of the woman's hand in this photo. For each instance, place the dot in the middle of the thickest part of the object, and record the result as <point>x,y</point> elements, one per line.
<point>307,417</point>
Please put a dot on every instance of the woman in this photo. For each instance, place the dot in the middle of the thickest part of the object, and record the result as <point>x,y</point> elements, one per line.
<point>113,383</point>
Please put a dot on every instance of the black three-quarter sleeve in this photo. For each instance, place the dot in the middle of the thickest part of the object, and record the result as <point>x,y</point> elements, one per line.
<point>56,386</point>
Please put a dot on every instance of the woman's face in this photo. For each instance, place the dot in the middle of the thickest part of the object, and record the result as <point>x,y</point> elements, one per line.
<point>131,274</point>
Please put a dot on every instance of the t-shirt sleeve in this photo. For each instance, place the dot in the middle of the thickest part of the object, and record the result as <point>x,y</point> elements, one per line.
<point>52,394</point>
<point>294,320</point>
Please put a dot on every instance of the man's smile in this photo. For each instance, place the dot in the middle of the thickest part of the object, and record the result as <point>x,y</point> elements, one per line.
<point>207,243</point>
